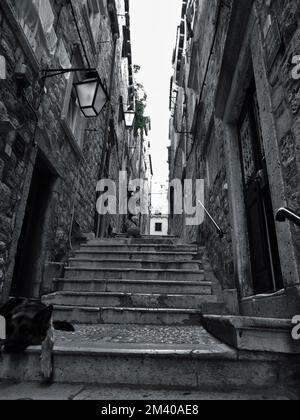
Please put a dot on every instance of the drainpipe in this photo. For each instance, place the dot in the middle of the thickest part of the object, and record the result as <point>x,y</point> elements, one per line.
<point>101,219</point>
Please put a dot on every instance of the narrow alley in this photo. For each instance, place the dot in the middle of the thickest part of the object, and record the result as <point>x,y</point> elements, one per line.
<point>149,212</point>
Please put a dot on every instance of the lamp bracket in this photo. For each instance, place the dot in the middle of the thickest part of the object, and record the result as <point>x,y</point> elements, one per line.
<point>58,72</point>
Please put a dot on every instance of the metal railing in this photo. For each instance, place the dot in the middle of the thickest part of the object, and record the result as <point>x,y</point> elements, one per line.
<point>218,228</point>
<point>285,214</point>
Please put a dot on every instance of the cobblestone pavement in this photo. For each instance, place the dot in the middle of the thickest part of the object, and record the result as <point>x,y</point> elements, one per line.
<point>134,334</point>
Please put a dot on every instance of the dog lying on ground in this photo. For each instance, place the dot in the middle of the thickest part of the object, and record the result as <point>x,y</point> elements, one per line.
<point>29,323</point>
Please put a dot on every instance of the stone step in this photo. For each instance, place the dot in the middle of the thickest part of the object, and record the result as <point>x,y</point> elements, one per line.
<point>153,368</point>
<point>86,273</point>
<point>135,255</point>
<point>134,286</point>
<point>205,363</point>
<point>134,264</point>
<point>116,247</point>
<point>136,241</point>
<point>137,316</point>
<point>129,300</point>
<point>149,237</point>
<point>254,334</point>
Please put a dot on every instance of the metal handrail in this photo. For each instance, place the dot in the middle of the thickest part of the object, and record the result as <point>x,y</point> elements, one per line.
<point>219,230</point>
<point>284,214</point>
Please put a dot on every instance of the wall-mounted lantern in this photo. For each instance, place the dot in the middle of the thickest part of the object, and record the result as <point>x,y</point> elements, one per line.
<point>91,93</point>
<point>129,117</point>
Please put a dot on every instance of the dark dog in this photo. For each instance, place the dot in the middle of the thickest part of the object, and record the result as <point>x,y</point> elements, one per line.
<point>29,323</point>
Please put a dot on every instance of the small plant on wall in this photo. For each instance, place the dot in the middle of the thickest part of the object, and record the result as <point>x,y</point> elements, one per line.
<point>140,105</point>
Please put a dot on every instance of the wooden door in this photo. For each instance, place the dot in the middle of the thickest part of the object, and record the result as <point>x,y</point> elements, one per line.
<point>266,269</point>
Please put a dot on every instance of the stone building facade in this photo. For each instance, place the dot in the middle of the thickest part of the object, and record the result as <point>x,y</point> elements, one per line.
<point>139,167</point>
<point>235,104</point>
<point>50,156</point>
<point>159,225</point>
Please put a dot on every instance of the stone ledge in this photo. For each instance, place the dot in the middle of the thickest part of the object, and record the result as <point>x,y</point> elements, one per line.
<point>143,351</point>
<point>128,270</point>
<point>253,334</point>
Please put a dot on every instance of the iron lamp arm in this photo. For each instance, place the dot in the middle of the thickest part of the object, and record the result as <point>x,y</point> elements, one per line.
<point>58,72</point>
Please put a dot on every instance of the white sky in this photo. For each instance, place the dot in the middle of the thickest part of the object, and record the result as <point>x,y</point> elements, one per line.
<point>153,35</point>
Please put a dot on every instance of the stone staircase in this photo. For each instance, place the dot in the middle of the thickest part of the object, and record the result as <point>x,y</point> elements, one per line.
<point>152,281</point>
<point>138,306</point>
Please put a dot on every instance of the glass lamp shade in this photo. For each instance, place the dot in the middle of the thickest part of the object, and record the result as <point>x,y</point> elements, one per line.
<point>91,94</point>
<point>129,118</point>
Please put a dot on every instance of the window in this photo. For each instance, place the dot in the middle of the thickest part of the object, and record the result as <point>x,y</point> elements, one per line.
<point>103,5</point>
<point>93,17</point>
<point>73,114</point>
<point>172,206</point>
<point>158,227</point>
<point>36,18</point>
<point>72,118</point>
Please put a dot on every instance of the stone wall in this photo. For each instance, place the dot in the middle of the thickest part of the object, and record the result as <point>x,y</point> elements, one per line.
<point>217,203</point>
<point>210,149</point>
<point>75,167</point>
<point>208,158</point>
<point>285,92</point>
<point>176,222</point>
<point>208,130</point>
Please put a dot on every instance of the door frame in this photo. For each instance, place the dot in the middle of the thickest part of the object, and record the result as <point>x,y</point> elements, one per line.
<point>28,278</point>
<point>20,214</point>
<point>251,62</point>
<point>257,192</point>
